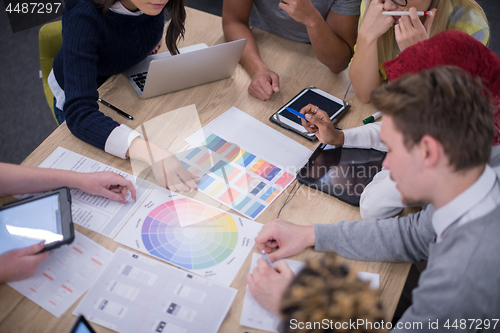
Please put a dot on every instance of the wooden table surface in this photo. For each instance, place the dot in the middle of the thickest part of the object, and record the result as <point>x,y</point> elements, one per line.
<point>298,68</point>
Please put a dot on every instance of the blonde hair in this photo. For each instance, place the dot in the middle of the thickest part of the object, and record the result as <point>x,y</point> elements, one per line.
<point>385,43</point>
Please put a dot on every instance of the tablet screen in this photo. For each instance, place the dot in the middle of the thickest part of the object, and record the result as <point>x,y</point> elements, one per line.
<point>342,172</point>
<point>31,222</point>
<point>311,97</point>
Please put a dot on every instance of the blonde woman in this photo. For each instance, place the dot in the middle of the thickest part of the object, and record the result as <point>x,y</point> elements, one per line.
<point>382,37</point>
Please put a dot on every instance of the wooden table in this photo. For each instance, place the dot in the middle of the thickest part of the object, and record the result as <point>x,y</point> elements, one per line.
<point>298,68</point>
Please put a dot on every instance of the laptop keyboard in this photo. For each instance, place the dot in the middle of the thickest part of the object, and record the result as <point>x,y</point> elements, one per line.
<point>140,79</point>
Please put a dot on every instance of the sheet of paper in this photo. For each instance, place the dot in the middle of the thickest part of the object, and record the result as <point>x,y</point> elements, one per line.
<point>255,316</point>
<point>235,177</point>
<point>250,134</point>
<point>94,212</point>
<point>138,294</point>
<point>190,234</point>
<point>70,270</point>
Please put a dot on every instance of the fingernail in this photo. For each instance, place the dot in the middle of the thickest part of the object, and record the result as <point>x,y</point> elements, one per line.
<point>308,116</point>
<point>276,89</point>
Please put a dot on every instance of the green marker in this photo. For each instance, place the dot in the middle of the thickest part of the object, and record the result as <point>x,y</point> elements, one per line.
<point>372,118</point>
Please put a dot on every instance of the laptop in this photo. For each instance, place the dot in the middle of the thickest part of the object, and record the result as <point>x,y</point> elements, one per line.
<point>194,65</point>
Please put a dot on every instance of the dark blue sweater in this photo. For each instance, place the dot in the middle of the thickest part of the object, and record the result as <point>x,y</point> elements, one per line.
<point>96,46</point>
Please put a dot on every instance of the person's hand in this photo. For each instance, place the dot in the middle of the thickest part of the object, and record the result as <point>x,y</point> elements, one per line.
<point>268,284</point>
<point>286,237</point>
<point>410,30</point>
<point>19,264</point>
<point>170,172</point>
<point>264,83</point>
<point>375,24</point>
<point>301,11</point>
<point>320,124</point>
<point>106,184</point>
<point>157,48</point>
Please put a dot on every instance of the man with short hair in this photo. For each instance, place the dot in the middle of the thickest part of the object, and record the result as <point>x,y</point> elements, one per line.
<point>438,128</point>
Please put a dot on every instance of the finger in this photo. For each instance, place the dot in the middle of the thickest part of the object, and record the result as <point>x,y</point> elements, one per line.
<point>113,195</point>
<point>404,24</point>
<point>415,19</point>
<point>258,92</point>
<point>188,179</point>
<point>176,183</point>
<point>30,250</point>
<point>267,87</point>
<point>429,20</point>
<point>309,108</point>
<point>283,268</point>
<point>261,265</point>
<point>38,258</point>
<point>397,32</point>
<point>277,255</point>
<point>275,82</point>
<point>127,184</point>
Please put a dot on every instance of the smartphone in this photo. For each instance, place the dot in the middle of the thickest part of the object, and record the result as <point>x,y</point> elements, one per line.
<point>332,105</point>
<point>45,216</point>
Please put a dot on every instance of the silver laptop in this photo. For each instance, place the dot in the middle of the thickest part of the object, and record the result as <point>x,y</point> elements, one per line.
<point>194,65</point>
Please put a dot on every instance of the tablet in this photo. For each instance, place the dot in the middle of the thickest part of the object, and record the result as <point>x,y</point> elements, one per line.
<point>341,172</point>
<point>335,107</point>
<point>45,216</point>
<point>82,326</point>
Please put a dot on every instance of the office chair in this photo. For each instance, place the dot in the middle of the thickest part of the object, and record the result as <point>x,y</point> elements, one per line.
<point>50,41</point>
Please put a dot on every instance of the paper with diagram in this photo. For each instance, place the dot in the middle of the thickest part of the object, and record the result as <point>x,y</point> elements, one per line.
<point>138,294</point>
<point>70,270</point>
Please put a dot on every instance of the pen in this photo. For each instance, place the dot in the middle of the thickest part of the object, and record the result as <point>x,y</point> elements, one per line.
<point>265,257</point>
<point>297,113</point>
<point>372,118</point>
<point>120,112</point>
<point>405,13</point>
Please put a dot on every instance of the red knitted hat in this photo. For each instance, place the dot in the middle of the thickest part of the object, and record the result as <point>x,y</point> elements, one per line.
<point>456,48</point>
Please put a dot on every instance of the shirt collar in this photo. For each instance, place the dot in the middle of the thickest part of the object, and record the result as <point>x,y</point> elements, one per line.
<point>455,209</point>
<point>120,9</point>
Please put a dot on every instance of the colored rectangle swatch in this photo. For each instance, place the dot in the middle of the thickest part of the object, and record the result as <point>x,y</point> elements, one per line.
<point>229,196</point>
<point>205,181</point>
<point>257,165</point>
<point>243,203</point>
<point>245,181</point>
<point>284,180</point>
<point>254,210</point>
<point>258,188</point>
<point>217,189</point>
<point>245,159</point>
<point>233,153</point>
<point>193,153</point>
<point>224,147</point>
<point>270,194</point>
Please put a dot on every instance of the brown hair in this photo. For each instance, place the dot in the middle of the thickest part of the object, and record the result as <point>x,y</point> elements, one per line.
<point>385,43</point>
<point>328,289</point>
<point>175,28</point>
<point>447,104</point>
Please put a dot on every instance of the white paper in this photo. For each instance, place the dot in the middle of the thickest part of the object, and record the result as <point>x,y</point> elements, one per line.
<point>96,213</point>
<point>191,235</point>
<point>70,270</point>
<point>255,316</point>
<point>250,134</point>
<point>137,294</point>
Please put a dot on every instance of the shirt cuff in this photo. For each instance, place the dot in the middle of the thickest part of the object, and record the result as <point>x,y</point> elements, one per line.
<point>119,140</point>
<point>367,136</point>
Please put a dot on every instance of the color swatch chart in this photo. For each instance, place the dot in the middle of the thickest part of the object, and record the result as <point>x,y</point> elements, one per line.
<point>190,234</point>
<point>235,177</point>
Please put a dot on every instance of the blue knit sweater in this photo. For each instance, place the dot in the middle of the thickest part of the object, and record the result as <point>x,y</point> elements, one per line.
<point>96,46</point>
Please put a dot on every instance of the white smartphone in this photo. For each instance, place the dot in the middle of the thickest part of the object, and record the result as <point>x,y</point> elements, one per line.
<point>332,105</point>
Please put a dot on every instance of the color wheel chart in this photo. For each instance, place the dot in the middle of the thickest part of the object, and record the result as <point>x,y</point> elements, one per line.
<point>190,234</point>
<point>199,246</point>
<point>235,177</point>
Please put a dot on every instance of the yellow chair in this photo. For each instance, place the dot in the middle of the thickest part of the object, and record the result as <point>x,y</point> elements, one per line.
<point>50,41</point>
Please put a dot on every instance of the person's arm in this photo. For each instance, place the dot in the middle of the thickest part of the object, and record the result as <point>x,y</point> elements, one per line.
<point>364,70</point>
<point>333,39</point>
<point>17,179</point>
<point>399,239</point>
<point>235,18</point>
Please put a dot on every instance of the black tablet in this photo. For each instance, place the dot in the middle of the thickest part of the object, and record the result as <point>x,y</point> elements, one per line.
<point>82,326</point>
<point>45,216</point>
<point>341,172</point>
<point>335,107</point>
